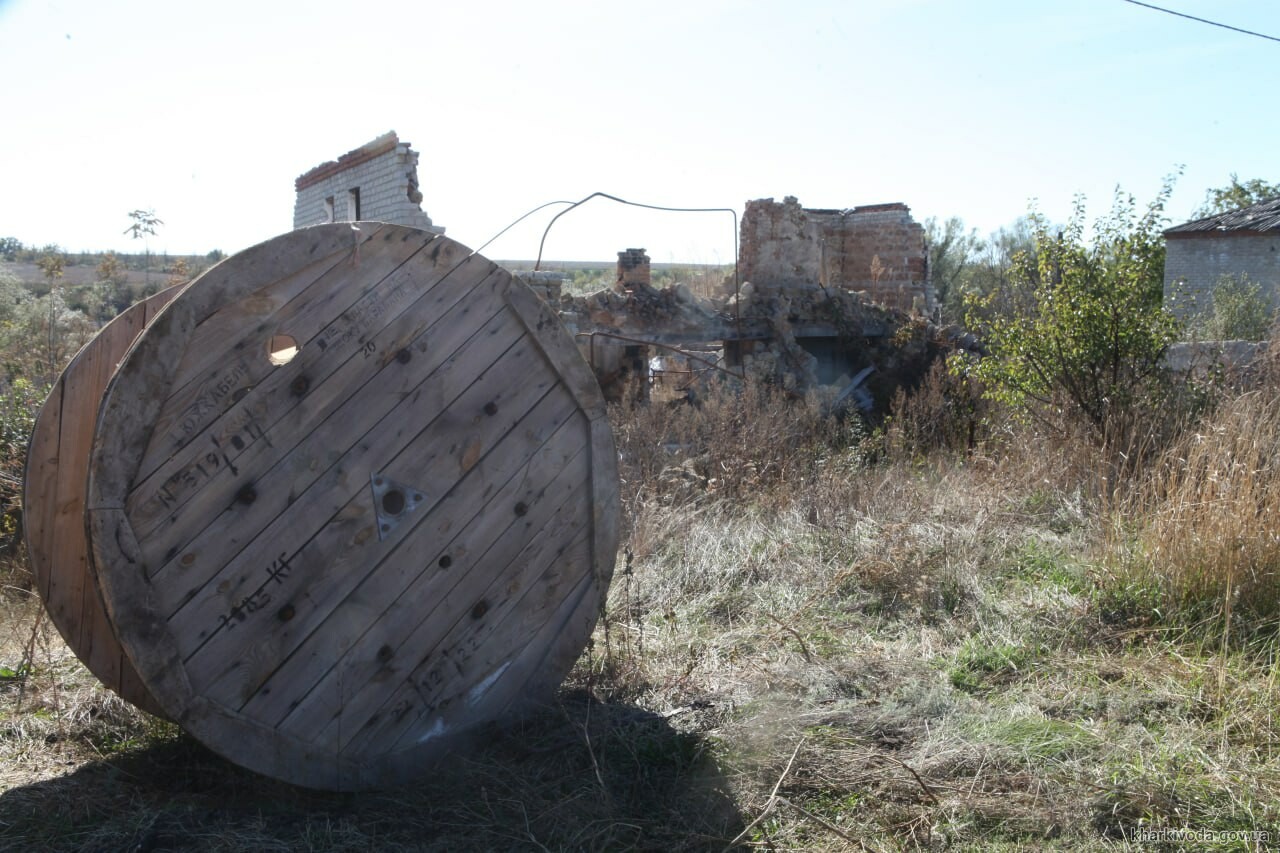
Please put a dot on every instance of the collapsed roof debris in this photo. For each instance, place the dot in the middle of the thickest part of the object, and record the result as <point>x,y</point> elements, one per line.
<point>808,317</point>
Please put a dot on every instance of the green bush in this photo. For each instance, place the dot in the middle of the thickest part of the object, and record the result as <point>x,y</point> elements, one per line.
<point>1081,336</point>
<point>1240,311</point>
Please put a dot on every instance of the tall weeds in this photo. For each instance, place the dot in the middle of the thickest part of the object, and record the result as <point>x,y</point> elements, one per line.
<point>735,441</point>
<point>1197,501</point>
<point>1209,517</point>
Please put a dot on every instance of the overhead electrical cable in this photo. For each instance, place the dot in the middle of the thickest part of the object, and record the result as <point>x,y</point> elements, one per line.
<point>1202,20</point>
<point>537,265</point>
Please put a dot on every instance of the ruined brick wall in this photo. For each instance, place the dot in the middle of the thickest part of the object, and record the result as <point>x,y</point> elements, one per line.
<point>1195,262</point>
<point>878,249</point>
<point>379,177</point>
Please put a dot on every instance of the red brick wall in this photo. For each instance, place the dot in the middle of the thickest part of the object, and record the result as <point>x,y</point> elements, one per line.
<point>879,249</point>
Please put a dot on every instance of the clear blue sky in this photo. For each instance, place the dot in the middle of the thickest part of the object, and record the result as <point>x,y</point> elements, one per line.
<point>207,112</point>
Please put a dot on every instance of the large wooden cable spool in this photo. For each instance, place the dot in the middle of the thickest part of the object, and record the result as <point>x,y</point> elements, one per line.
<point>352,496</point>
<point>54,496</point>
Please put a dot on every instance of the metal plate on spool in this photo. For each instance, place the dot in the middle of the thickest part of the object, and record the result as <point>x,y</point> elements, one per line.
<point>237,526</point>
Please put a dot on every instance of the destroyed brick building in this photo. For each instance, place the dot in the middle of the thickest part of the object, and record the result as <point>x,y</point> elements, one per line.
<point>377,181</point>
<point>875,249</point>
<point>826,284</point>
<point>821,301</point>
<point>822,298</point>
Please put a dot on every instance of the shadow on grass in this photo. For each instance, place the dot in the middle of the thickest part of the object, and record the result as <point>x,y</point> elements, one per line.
<point>585,776</point>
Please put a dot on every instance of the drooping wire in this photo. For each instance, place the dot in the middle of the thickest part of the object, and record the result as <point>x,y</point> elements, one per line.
<point>737,312</point>
<point>517,222</point>
<point>729,210</point>
<point>1202,20</point>
<point>737,317</point>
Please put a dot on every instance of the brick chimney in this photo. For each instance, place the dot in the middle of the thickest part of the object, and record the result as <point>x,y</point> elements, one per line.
<point>633,270</point>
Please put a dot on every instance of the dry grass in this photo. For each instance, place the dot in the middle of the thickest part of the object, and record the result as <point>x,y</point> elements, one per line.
<point>933,674</point>
<point>743,444</point>
<point>818,638</point>
<point>1210,544</point>
<point>84,771</point>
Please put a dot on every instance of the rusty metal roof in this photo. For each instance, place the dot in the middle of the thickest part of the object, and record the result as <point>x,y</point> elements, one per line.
<point>1263,216</point>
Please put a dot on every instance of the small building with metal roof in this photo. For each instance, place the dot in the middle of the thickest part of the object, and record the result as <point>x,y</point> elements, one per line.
<point>1241,244</point>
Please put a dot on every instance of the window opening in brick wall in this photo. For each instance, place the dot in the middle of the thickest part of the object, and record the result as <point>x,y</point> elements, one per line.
<point>353,204</point>
<point>328,209</point>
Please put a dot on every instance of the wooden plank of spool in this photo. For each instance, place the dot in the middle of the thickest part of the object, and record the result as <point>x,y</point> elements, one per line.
<point>54,499</point>
<point>339,568</point>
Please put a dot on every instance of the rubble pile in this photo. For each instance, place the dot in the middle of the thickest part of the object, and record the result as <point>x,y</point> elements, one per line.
<point>833,301</point>
<point>672,312</point>
<point>786,322</point>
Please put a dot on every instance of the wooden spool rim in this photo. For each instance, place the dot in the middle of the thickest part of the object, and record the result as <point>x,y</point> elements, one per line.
<point>54,497</point>
<point>124,433</point>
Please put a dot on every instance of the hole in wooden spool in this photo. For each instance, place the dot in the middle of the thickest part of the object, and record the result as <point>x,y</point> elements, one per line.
<point>393,502</point>
<point>446,561</point>
<point>284,614</point>
<point>281,349</point>
<point>481,608</point>
<point>491,408</point>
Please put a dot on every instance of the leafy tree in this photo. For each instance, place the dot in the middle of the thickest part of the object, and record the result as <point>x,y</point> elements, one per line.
<point>45,334</point>
<point>12,294</point>
<point>1085,336</point>
<point>37,334</point>
<point>586,281</point>
<point>29,355</point>
<point>992,268</point>
<point>952,250</point>
<point>1235,196</point>
<point>52,264</point>
<point>111,270</point>
<point>179,272</point>
<point>144,225</point>
<point>1240,311</point>
<point>9,248</point>
<point>964,266</point>
<point>113,282</point>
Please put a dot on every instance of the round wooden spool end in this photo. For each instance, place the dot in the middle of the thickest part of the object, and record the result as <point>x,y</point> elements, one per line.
<point>54,496</point>
<point>353,497</point>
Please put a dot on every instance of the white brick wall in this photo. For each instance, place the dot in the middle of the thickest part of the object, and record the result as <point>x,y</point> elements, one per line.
<point>1194,264</point>
<point>384,184</point>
